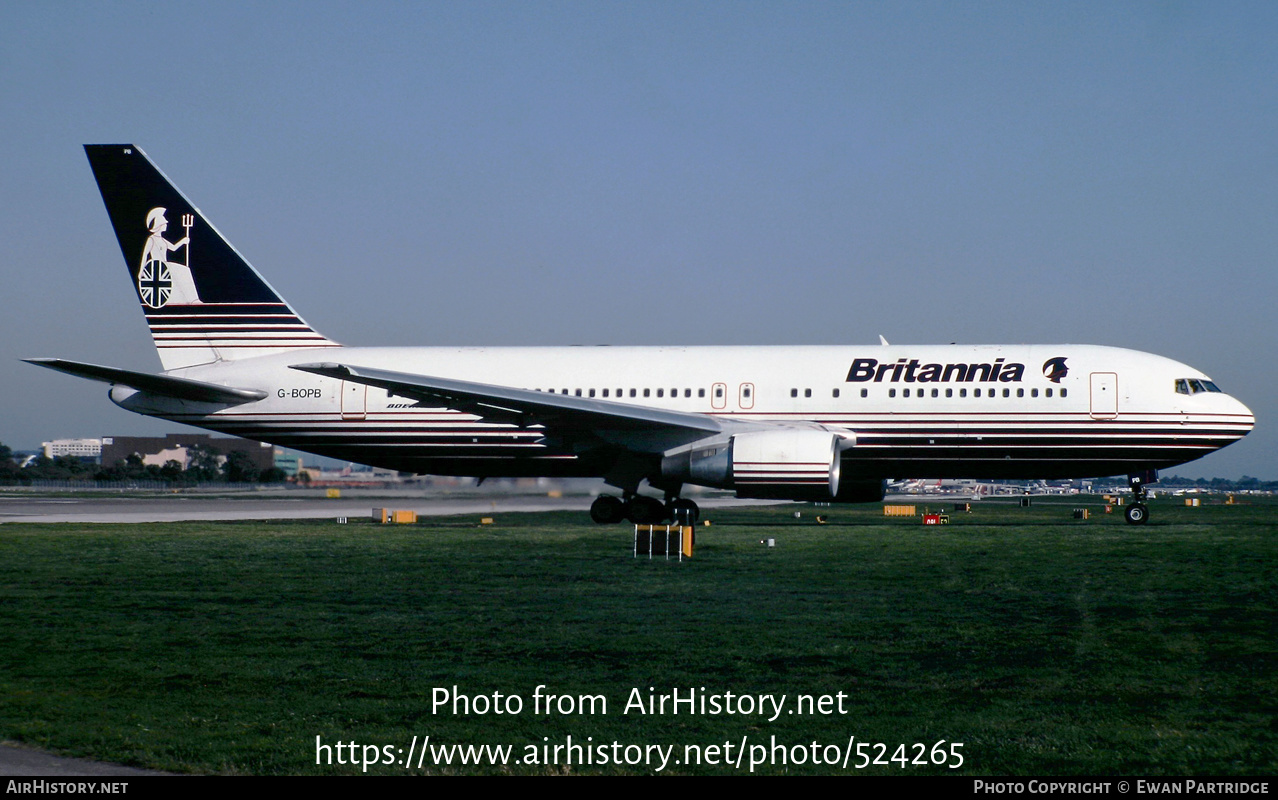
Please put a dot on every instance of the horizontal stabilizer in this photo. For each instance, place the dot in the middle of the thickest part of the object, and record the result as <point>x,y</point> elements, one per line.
<point>168,386</point>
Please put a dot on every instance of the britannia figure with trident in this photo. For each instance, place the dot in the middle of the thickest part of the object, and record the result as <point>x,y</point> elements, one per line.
<point>161,281</point>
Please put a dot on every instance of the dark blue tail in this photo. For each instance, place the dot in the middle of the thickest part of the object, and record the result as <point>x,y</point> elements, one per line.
<point>203,301</point>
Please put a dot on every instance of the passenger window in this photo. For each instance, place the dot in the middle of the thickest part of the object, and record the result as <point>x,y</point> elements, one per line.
<point>936,392</point>
<point>1007,392</point>
<point>632,392</point>
<point>905,393</point>
<point>1020,392</point>
<point>976,392</point>
<point>605,392</point>
<point>701,393</point>
<point>687,393</point>
<point>962,392</point>
<point>807,392</point>
<point>647,392</point>
<point>1064,392</point>
<point>794,392</point>
<point>949,392</point>
<point>891,392</point>
<point>1033,392</point>
<point>659,392</point>
<point>1049,392</point>
<point>836,392</point>
<point>865,392</point>
<point>592,392</point>
<point>579,393</point>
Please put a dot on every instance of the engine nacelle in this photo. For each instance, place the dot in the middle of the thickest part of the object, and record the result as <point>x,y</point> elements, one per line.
<point>782,464</point>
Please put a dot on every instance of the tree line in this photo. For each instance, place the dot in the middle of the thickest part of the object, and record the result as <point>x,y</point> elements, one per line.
<point>1244,484</point>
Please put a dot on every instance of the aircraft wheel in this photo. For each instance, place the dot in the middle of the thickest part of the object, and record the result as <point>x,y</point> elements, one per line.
<point>1137,514</point>
<point>607,509</point>
<point>645,510</point>
<point>683,511</point>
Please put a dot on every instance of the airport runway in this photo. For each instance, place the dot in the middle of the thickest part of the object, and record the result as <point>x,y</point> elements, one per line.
<point>160,508</point>
<point>106,508</point>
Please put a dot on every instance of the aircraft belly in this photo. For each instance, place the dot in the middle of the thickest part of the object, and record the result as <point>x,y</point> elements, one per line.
<point>886,447</point>
<point>1030,447</point>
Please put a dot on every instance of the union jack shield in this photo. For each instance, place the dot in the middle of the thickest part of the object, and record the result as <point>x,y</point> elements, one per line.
<point>155,284</point>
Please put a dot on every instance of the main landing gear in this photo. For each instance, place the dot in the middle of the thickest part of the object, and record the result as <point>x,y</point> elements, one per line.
<point>642,510</point>
<point>1138,513</point>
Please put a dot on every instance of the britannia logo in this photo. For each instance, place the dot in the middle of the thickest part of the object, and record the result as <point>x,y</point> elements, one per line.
<point>1054,369</point>
<point>160,281</point>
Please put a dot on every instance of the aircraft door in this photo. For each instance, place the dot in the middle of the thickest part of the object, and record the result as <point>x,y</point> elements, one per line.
<point>1104,395</point>
<point>354,400</point>
<point>745,396</point>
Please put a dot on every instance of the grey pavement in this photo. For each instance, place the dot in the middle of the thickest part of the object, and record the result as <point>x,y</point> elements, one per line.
<point>16,760</point>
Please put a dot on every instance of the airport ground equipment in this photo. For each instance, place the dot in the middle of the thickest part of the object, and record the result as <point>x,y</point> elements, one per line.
<point>670,541</point>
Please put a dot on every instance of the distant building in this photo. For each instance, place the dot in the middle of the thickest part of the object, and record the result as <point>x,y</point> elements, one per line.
<point>176,446</point>
<point>84,449</point>
<point>290,463</point>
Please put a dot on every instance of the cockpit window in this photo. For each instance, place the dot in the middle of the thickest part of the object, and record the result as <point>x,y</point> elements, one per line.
<point>1194,386</point>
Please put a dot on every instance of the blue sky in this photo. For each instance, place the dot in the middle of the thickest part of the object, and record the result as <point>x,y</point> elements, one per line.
<point>660,173</point>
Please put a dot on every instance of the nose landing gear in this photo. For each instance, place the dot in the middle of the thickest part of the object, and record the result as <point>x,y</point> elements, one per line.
<point>1138,513</point>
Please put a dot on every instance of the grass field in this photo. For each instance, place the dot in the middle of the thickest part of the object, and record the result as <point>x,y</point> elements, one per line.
<point>1043,644</point>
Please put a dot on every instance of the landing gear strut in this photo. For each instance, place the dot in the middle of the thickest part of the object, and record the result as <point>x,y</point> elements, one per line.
<point>1138,513</point>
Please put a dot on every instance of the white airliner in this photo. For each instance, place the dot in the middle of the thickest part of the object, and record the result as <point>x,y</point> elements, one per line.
<point>829,423</point>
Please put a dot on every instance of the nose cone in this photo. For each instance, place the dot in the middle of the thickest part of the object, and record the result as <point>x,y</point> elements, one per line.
<point>1240,419</point>
<point>1245,414</point>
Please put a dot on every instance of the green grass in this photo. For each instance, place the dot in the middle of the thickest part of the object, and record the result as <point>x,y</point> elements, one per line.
<point>1045,645</point>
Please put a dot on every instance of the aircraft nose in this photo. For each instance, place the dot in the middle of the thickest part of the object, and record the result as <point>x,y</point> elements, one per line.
<point>1245,420</point>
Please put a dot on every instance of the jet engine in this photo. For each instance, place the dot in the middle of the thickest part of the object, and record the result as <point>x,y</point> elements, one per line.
<point>787,464</point>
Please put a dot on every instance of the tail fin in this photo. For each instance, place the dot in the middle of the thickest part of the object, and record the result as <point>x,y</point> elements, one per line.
<point>202,300</point>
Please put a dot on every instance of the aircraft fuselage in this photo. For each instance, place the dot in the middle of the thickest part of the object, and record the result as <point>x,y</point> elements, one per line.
<point>995,411</point>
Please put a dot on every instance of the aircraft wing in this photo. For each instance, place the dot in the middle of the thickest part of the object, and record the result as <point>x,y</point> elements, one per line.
<point>524,407</point>
<point>166,385</point>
